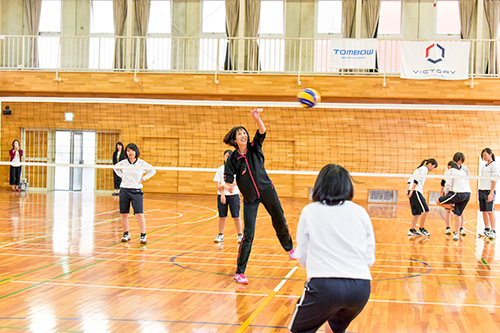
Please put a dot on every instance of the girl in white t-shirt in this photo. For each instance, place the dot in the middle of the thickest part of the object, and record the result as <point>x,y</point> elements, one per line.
<point>225,200</point>
<point>486,192</point>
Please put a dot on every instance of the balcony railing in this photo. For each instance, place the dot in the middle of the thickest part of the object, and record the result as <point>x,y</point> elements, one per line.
<point>292,56</point>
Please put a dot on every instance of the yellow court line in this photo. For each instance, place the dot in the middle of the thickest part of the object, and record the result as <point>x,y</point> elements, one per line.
<point>267,300</point>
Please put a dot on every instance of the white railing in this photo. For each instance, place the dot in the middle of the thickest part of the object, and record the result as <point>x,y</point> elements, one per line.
<point>297,56</point>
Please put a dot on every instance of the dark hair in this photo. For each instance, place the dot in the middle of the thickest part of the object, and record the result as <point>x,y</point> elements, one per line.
<point>453,165</point>
<point>489,151</point>
<point>429,161</point>
<point>17,143</point>
<point>227,151</point>
<point>459,156</point>
<point>333,185</point>
<point>230,137</point>
<point>119,143</point>
<point>133,146</point>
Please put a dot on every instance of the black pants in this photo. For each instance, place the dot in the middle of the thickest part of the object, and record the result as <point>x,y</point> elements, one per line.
<point>118,181</point>
<point>335,300</point>
<point>272,204</point>
<point>15,175</point>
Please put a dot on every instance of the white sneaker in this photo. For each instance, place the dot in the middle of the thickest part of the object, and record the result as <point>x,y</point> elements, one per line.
<point>126,237</point>
<point>484,233</point>
<point>144,239</point>
<point>462,232</point>
<point>447,231</point>
<point>424,232</point>
<point>455,236</point>
<point>492,234</point>
<point>240,238</point>
<point>219,238</point>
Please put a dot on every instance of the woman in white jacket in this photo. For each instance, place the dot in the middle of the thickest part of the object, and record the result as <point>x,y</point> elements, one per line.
<point>336,244</point>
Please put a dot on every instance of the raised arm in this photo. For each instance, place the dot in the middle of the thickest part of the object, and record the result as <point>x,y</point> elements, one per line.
<point>256,115</point>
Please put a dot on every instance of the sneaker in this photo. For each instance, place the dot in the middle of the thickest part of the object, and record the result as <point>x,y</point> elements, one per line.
<point>240,238</point>
<point>492,234</point>
<point>462,232</point>
<point>455,236</point>
<point>484,233</point>
<point>413,232</point>
<point>126,237</point>
<point>447,231</point>
<point>292,255</point>
<point>144,239</point>
<point>219,238</point>
<point>240,278</point>
<point>424,232</point>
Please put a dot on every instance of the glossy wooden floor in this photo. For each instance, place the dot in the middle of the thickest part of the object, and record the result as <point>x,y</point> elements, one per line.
<point>63,268</point>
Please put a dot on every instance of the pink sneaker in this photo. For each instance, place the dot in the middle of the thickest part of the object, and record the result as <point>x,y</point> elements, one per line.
<point>292,255</point>
<point>240,278</point>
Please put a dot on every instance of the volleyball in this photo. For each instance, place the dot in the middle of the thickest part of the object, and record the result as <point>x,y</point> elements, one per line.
<point>308,97</point>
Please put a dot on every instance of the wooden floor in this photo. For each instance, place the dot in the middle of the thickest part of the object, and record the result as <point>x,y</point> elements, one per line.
<point>63,268</point>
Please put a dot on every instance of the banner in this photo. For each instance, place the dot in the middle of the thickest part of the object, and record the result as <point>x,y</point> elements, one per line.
<point>435,60</point>
<point>353,53</point>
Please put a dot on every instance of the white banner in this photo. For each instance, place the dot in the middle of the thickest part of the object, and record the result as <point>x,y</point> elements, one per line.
<point>435,60</point>
<point>353,53</point>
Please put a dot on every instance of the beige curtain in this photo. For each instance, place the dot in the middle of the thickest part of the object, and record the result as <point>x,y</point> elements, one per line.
<point>142,9</point>
<point>348,14</point>
<point>468,10</point>
<point>33,9</point>
<point>252,19</point>
<point>119,16</point>
<point>492,11</point>
<point>232,20</point>
<point>371,13</point>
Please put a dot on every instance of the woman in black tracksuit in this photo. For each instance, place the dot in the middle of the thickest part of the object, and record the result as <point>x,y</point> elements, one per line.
<point>247,163</point>
<point>118,156</point>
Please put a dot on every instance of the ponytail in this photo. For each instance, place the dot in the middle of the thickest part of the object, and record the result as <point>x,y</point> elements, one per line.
<point>429,161</point>
<point>489,151</point>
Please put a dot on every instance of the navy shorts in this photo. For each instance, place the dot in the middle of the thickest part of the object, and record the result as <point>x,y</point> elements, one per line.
<point>335,300</point>
<point>459,200</point>
<point>131,196</point>
<point>233,201</point>
<point>417,203</point>
<point>484,205</point>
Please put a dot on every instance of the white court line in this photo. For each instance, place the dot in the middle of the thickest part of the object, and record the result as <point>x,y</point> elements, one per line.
<point>285,279</point>
<point>239,293</point>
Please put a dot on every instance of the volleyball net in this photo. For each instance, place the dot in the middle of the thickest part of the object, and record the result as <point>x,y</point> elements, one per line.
<point>182,139</point>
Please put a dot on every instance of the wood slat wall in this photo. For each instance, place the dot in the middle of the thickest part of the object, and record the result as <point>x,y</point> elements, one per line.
<point>385,141</point>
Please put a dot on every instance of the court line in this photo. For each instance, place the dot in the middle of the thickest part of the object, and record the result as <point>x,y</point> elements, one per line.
<point>266,301</point>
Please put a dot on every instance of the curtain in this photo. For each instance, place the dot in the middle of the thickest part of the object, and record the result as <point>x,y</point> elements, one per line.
<point>371,12</point>
<point>119,16</point>
<point>232,15</point>
<point>348,14</point>
<point>252,19</point>
<point>468,9</point>
<point>33,9</point>
<point>492,11</point>
<point>142,9</point>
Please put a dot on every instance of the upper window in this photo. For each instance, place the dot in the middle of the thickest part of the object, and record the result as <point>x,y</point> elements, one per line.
<point>159,17</point>
<point>213,16</point>
<point>271,17</point>
<point>390,17</point>
<point>447,17</point>
<point>50,16</point>
<point>329,17</point>
<point>101,17</point>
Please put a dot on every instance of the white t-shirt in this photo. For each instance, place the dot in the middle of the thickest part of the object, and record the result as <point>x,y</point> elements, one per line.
<point>457,185</point>
<point>335,241</point>
<point>131,177</point>
<point>219,177</point>
<point>421,171</point>
<point>17,159</point>
<point>490,170</point>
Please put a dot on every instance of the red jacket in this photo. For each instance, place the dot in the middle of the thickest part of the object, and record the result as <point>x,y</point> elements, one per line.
<point>12,153</point>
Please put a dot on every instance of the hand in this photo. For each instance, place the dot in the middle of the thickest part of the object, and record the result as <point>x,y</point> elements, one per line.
<point>230,187</point>
<point>223,199</point>
<point>141,181</point>
<point>256,112</point>
<point>409,195</point>
<point>490,196</point>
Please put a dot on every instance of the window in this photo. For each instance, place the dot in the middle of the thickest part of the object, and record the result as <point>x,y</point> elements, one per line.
<point>159,43</point>
<point>271,27</point>
<point>390,17</point>
<point>50,31</point>
<point>447,18</point>
<point>213,28</point>
<point>102,40</point>
<point>329,17</point>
